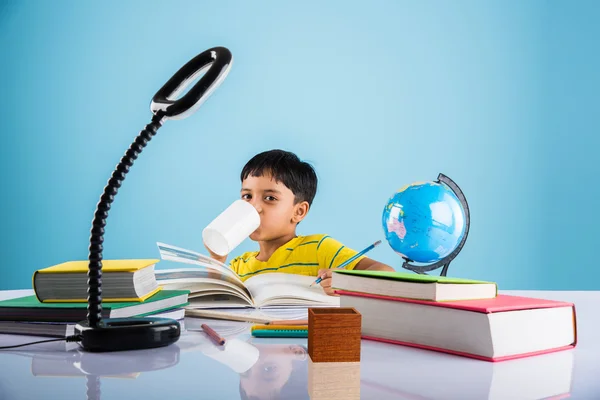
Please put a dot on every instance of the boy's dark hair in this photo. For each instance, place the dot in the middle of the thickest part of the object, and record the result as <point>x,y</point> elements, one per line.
<point>285,167</point>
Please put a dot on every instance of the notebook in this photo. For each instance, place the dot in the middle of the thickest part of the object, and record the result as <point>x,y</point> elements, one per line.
<point>122,281</point>
<point>498,329</point>
<point>29,308</point>
<point>412,286</point>
<point>213,284</point>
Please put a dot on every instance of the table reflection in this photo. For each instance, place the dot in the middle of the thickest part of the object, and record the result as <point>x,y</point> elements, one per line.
<point>405,373</point>
<point>259,368</point>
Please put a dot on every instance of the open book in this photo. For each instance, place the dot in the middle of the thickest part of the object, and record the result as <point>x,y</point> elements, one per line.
<point>213,284</point>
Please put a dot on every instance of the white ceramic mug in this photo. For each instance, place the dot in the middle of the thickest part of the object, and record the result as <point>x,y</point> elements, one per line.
<point>231,227</point>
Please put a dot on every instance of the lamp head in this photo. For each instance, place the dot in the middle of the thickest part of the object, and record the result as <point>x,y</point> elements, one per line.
<point>216,62</point>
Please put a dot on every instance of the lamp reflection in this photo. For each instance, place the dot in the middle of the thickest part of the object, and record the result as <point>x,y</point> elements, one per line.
<point>94,366</point>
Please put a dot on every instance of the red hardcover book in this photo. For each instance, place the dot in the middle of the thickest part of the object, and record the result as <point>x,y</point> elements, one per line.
<point>503,328</point>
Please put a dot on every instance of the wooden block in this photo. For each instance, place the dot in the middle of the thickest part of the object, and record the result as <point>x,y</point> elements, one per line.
<point>334,380</point>
<point>334,334</point>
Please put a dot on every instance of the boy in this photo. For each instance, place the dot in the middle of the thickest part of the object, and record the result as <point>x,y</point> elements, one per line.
<point>282,187</point>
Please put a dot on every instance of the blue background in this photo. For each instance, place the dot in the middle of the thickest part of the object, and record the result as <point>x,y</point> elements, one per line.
<point>501,96</point>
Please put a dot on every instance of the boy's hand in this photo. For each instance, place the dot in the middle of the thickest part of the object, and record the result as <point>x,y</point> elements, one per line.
<point>216,256</point>
<point>325,275</point>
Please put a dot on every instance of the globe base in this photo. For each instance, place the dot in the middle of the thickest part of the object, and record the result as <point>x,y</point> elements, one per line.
<point>426,268</point>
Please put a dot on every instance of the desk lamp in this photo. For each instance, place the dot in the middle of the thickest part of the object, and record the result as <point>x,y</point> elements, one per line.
<point>114,334</point>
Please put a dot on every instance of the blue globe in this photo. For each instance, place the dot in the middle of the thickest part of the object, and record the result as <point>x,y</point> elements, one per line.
<point>424,221</point>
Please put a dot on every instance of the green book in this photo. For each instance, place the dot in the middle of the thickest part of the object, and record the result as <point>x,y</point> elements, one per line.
<point>29,308</point>
<point>412,285</point>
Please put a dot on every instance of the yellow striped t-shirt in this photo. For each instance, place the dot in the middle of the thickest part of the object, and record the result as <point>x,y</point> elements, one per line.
<point>303,255</point>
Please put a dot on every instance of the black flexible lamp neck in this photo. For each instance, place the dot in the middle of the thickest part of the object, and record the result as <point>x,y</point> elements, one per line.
<point>101,214</point>
<point>215,63</point>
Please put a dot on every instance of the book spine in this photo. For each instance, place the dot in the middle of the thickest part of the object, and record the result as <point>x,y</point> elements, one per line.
<point>33,285</point>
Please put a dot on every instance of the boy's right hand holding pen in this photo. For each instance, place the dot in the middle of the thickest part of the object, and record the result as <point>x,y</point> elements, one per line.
<point>324,275</point>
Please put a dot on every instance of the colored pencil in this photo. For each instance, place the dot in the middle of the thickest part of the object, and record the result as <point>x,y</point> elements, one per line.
<point>280,327</point>
<point>289,322</point>
<point>213,335</point>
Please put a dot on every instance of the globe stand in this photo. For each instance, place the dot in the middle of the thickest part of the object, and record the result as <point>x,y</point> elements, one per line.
<point>445,262</point>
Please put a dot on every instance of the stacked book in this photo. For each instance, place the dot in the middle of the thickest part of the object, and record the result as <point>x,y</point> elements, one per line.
<point>458,316</point>
<point>59,302</point>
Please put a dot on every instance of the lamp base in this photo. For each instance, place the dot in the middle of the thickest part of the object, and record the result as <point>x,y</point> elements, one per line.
<point>117,334</point>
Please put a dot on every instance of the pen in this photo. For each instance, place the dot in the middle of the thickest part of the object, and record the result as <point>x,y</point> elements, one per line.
<point>213,335</point>
<point>348,261</point>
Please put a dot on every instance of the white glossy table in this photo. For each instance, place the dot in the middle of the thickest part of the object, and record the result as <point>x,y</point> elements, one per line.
<point>194,368</point>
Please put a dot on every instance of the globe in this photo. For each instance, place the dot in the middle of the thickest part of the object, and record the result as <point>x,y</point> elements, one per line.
<point>424,221</point>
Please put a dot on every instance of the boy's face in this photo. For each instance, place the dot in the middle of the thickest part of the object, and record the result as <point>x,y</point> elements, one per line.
<point>272,371</point>
<point>276,206</point>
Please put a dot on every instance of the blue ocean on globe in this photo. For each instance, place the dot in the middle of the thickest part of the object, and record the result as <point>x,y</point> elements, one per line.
<point>424,221</point>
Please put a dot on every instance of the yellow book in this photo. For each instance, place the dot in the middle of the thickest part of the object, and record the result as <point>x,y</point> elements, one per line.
<point>122,281</point>
<point>107,266</point>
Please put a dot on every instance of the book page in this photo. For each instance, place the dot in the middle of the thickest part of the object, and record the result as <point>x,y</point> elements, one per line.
<point>288,290</point>
<point>198,279</point>
<point>178,254</point>
<point>253,315</point>
<point>186,274</point>
<point>202,287</point>
<point>217,300</point>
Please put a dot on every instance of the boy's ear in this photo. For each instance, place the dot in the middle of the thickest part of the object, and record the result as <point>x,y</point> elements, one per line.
<point>300,211</point>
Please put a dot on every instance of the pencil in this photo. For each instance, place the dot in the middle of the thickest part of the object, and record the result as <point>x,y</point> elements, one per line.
<point>213,335</point>
<point>279,327</point>
<point>348,261</point>
<point>225,315</point>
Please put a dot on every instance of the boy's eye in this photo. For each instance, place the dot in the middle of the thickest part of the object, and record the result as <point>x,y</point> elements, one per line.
<point>270,198</point>
<point>246,196</point>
